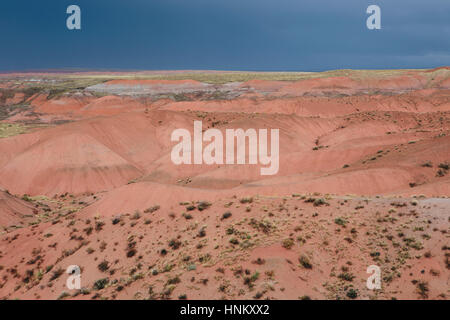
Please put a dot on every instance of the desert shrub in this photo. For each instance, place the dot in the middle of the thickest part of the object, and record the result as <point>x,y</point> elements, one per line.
<point>264,226</point>
<point>173,280</point>
<point>152,209</point>
<point>226,215</point>
<point>246,200</point>
<point>202,232</point>
<point>422,289</point>
<point>440,173</point>
<point>174,244</point>
<point>26,197</point>
<point>340,221</point>
<point>131,253</point>
<point>100,284</point>
<point>63,295</point>
<point>427,164</point>
<point>103,266</point>
<point>56,274</point>
<point>136,215</point>
<point>116,220</point>
<point>304,262</point>
<point>352,294</point>
<point>99,225</point>
<point>202,205</point>
<point>249,281</point>
<point>346,276</point>
<point>287,243</point>
<point>320,202</point>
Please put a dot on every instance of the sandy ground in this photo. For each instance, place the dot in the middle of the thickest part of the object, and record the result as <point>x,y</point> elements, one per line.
<point>364,180</point>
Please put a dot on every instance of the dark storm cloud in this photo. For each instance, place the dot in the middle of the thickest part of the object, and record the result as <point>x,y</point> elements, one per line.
<point>215,34</point>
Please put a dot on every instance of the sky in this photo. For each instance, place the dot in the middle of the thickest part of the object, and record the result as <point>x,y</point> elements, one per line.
<point>253,35</point>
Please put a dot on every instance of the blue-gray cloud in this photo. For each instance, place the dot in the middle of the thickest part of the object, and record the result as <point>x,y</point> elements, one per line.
<point>305,35</point>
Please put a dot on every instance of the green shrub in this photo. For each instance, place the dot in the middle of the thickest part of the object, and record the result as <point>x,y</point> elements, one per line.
<point>352,294</point>
<point>100,284</point>
<point>304,262</point>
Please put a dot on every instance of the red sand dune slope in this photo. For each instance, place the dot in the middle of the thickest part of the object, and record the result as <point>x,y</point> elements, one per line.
<point>105,152</point>
<point>364,178</point>
<point>12,210</point>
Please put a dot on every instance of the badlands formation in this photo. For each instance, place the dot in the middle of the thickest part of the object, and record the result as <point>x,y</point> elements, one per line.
<point>86,179</point>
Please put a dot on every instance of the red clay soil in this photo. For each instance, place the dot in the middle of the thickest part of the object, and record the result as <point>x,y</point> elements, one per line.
<point>13,211</point>
<point>364,179</point>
